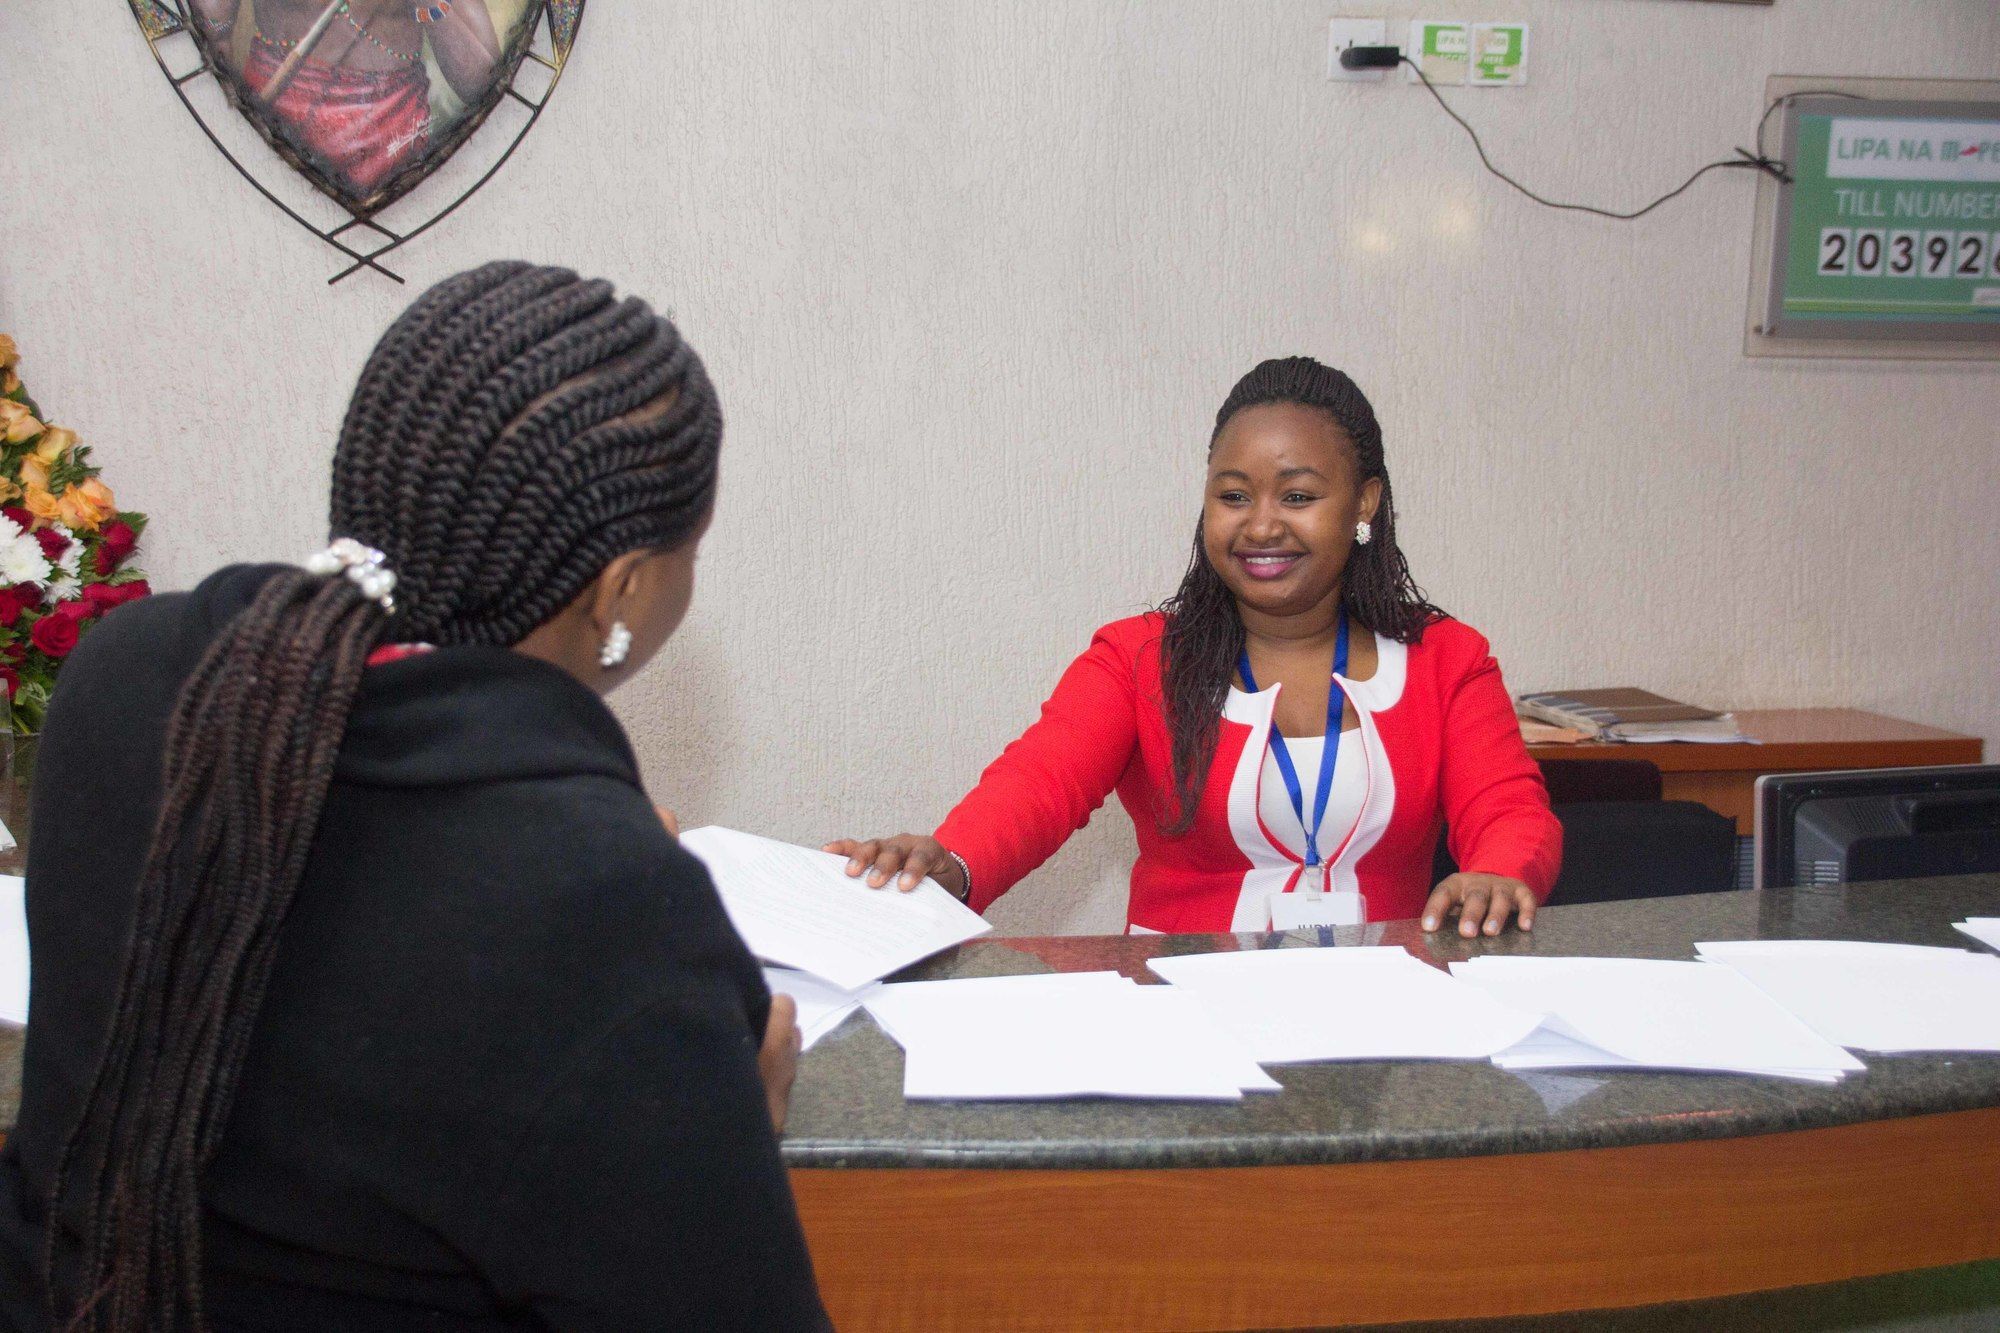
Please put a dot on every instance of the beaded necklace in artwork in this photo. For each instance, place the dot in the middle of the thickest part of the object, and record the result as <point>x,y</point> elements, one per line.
<point>407,57</point>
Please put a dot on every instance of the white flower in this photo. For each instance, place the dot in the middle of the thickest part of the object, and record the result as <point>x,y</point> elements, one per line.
<point>21,558</point>
<point>65,579</point>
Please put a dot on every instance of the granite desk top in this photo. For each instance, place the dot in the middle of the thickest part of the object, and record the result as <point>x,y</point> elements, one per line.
<point>848,1108</point>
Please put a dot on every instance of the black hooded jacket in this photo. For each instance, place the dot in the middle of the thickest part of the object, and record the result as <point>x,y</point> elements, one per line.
<point>505,1075</point>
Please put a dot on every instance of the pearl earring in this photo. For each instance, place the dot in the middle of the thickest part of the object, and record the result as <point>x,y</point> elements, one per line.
<point>1362,533</point>
<point>617,645</point>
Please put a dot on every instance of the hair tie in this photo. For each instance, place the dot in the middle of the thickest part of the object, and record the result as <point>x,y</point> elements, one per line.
<point>365,566</point>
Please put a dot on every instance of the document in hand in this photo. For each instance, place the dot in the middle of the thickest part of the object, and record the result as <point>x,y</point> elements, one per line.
<point>797,907</point>
<point>1087,1034</point>
<point>1294,1005</point>
<point>13,949</point>
<point>822,1005</point>
<point>1876,997</point>
<point>1610,1013</point>
<point>1985,929</point>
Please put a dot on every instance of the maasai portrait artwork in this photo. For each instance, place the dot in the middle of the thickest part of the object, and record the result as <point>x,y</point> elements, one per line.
<point>365,97</point>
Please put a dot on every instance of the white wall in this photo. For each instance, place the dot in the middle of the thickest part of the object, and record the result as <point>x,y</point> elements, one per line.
<point>973,276</point>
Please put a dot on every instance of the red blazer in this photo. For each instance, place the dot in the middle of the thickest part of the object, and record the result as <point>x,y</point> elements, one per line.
<point>1440,741</point>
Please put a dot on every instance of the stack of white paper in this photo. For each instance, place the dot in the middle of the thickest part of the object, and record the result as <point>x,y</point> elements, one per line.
<point>1985,929</point>
<point>822,1005</point>
<point>13,949</point>
<point>1639,1013</point>
<point>798,908</point>
<point>1067,1035</point>
<point>1876,997</point>
<point>1292,1005</point>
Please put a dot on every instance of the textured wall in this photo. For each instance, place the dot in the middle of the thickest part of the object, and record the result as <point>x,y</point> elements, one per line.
<point>972,277</point>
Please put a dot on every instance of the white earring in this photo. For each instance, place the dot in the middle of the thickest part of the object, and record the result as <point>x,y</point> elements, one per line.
<point>1362,533</point>
<point>617,645</point>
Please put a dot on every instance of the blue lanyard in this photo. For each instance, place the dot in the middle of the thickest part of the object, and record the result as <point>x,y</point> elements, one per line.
<point>1283,754</point>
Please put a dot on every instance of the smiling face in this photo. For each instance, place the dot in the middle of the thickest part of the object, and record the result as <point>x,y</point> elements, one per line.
<point>1282,500</point>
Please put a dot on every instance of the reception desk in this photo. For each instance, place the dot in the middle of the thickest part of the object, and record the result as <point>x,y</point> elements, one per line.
<point>1379,1192</point>
<point>1382,1192</point>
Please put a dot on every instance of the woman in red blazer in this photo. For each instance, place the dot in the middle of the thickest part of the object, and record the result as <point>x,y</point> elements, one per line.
<point>1213,718</point>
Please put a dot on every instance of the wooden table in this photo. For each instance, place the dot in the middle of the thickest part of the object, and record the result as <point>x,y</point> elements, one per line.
<point>1786,740</point>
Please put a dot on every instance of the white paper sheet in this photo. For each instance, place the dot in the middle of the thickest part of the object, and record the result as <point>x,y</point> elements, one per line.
<point>797,907</point>
<point>13,949</point>
<point>1075,1035</point>
<point>822,1005</point>
<point>1645,1013</point>
<point>1876,997</point>
<point>1985,929</point>
<point>1292,1005</point>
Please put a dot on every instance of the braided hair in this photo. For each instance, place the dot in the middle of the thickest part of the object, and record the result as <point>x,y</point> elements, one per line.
<point>1204,634</point>
<point>514,431</point>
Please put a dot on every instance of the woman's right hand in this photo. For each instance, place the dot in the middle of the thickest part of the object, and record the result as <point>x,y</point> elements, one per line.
<point>907,858</point>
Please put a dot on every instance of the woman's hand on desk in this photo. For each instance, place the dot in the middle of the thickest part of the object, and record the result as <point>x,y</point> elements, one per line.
<point>778,1058</point>
<point>1482,902</point>
<point>907,857</point>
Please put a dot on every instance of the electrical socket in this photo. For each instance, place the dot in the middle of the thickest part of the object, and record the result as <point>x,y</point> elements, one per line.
<point>1343,33</point>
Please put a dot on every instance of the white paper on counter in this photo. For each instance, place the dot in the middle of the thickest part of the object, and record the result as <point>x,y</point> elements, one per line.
<point>1985,929</point>
<point>13,949</point>
<point>1375,1003</point>
<point>1074,1035</point>
<point>1646,1013</point>
<point>798,908</point>
<point>1876,997</point>
<point>823,1006</point>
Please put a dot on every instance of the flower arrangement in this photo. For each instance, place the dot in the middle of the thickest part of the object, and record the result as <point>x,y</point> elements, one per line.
<point>65,547</point>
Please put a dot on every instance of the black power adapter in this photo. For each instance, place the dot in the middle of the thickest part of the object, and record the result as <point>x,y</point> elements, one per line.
<point>1371,57</point>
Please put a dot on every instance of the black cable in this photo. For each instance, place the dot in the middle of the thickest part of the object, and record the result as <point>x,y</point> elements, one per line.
<point>1803,93</point>
<point>1756,162</point>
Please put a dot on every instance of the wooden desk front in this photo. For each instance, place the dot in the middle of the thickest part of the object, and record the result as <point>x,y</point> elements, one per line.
<point>1788,740</point>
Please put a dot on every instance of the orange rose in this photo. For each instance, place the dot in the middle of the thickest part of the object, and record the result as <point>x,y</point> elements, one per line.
<point>45,507</point>
<point>34,474</point>
<point>84,506</point>
<point>17,422</point>
<point>55,442</point>
<point>10,355</point>
<point>9,381</point>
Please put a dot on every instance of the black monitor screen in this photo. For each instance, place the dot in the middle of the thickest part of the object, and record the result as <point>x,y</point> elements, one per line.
<point>1884,823</point>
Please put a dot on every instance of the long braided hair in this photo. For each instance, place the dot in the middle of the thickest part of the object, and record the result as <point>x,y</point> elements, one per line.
<point>515,430</point>
<point>1204,634</point>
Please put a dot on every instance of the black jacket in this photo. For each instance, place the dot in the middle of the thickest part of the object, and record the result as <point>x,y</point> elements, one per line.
<point>505,1075</point>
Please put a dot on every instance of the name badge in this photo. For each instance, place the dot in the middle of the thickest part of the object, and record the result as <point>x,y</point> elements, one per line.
<point>1289,911</point>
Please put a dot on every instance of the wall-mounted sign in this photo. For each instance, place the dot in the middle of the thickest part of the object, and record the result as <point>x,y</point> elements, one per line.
<point>365,98</point>
<point>1888,231</point>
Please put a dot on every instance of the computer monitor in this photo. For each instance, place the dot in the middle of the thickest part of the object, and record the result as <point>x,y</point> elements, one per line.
<point>1877,823</point>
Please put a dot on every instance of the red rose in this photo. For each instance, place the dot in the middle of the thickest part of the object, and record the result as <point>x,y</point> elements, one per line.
<point>20,516</point>
<point>53,544</point>
<point>55,634</point>
<point>116,542</point>
<point>79,609</point>
<point>104,596</point>
<point>15,600</point>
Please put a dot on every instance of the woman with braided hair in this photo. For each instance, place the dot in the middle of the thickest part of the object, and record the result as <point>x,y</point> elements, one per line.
<point>1288,731</point>
<point>369,990</point>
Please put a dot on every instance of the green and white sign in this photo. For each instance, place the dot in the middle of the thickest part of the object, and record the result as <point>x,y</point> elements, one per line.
<point>1891,227</point>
